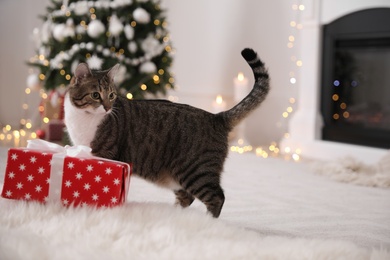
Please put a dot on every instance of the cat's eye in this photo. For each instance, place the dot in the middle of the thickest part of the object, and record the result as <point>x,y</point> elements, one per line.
<point>95,95</point>
<point>112,95</point>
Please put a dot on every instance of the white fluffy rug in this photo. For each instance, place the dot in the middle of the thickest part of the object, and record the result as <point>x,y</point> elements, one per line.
<point>349,169</point>
<point>148,231</point>
<point>274,209</point>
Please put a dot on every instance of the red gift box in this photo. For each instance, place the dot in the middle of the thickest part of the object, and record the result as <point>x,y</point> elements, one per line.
<point>45,175</point>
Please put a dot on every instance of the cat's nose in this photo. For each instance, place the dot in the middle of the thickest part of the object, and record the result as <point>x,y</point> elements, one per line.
<point>107,108</point>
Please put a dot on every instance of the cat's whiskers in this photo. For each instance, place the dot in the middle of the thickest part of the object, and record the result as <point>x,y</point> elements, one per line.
<point>113,113</point>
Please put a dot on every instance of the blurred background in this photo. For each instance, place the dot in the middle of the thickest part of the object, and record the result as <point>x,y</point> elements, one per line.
<point>205,39</point>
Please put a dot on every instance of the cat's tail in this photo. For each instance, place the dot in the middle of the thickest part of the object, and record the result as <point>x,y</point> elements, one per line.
<point>257,95</point>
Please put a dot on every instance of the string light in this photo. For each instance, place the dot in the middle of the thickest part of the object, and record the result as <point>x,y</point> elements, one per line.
<point>273,149</point>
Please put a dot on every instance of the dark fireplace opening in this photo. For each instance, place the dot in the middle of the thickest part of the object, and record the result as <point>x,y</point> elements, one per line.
<point>355,86</point>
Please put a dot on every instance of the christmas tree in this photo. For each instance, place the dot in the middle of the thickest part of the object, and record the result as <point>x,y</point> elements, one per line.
<point>103,33</point>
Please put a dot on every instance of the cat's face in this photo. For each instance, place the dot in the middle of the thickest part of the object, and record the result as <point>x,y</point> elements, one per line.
<point>93,91</point>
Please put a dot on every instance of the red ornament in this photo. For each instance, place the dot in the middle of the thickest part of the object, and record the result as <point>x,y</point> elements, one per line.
<point>41,133</point>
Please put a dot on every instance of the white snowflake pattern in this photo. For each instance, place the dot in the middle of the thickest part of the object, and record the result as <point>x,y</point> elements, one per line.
<point>117,181</point>
<point>14,157</point>
<point>30,178</point>
<point>38,188</point>
<point>95,197</point>
<point>22,167</point>
<point>87,186</point>
<point>44,154</point>
<point>114,200</point>
<point>98,178</point>
<point>11,175</point>
<point>65,201</point>
<point>19,185</point>
<point>33,159</point>
<point>26,150</point>
<point>81,160</point>
<point>70,165</point>
<point>106,189</point>
<point>108,171</point>
<point>27,196</point>
<point>84,204</point>
<point>68,183</point>
<point>48,180</point>
<point>89,168</point>
<point>79,176</point>
<point>76,194</point>
<point>8,193</point>
<point>41,170</point>
<point>100,162</point>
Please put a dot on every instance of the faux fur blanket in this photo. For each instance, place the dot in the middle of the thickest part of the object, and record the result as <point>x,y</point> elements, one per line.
<point>148,231</point>
<point>274,209</point>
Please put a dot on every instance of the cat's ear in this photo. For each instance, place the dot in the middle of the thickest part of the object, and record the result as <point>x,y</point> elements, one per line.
<point>82,71</point>
<point>112,72</point>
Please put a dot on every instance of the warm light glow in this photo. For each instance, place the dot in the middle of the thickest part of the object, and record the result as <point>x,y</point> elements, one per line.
<point>44,95</point>
<point>219,99</point>
<point>346,114</point>
<point>335,97</point>
<point>28,125</point>
<point>33,135</point>
<point>25,106</point>
<point>293,80</point>
<point>301,7</point>
<point>240,76</point>
<point>299,63</point>
<point>285,114</point>
<point>336,116</point>
<point>144,87</point>
<point>8,127</point>
<point>293,23</point>
<point>16,134</point>
<point>2,137</point>
<point>129,96</point>
<point>46,120</point>
<point>292,100</point>
<point>295,157</point>
<point>287,149</point>
<point>289,109</point>
<point>28,91</point>
<point>343,105</point>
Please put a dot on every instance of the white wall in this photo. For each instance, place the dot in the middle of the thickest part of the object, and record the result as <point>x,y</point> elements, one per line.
<point>18,18</point>
<point>208,37</point>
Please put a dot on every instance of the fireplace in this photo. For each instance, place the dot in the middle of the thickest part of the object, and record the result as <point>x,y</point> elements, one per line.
<point>310,127</point>
<point>355,85</point>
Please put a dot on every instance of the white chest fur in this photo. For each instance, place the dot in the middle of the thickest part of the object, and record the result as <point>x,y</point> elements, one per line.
<point>82,123</point>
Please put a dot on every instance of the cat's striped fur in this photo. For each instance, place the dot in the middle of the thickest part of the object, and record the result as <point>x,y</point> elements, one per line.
<point>172,145</point>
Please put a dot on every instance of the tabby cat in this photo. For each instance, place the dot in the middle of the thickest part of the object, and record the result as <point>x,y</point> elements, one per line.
<point>173,145</point>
